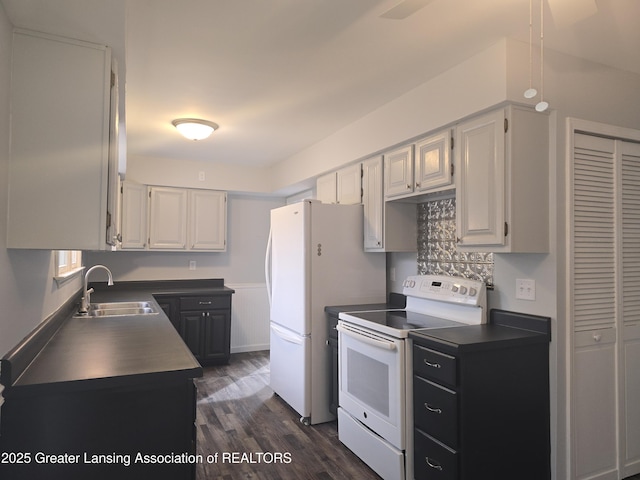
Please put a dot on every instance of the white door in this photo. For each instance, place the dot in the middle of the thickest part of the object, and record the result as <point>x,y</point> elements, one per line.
<point>290,301</point>
<point>290,368</point>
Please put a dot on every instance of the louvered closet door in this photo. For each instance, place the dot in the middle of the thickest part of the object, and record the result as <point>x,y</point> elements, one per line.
<point>593,283</point>
<point>630,261</point>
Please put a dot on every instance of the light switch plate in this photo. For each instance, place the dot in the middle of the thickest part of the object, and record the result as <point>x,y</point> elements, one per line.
<point>525,289</point>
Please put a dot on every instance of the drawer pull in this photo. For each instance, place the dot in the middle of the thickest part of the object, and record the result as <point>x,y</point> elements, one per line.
<point>434,365</point>
<point>433,464</point>
<point>432,409</point>
<point>205,303</point>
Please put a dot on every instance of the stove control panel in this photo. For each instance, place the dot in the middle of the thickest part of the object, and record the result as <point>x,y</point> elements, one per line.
<point>445,288</point>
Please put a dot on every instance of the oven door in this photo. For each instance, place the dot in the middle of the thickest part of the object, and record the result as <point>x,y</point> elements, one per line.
<point>372,380</point>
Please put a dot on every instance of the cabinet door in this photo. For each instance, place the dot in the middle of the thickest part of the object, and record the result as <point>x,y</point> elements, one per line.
<point>217,329</point>
<point>349,185</point>
<point>326,188</point>
<point>208,220</point>
<point>171,307</point>
<point>433,162</point>
<point>373,203</point>
<point>134,216</point>
<point>58,168</point>
<point>480,188</point>
<point>398,171</point>
<point>168,218</point>
<point>192,331</point>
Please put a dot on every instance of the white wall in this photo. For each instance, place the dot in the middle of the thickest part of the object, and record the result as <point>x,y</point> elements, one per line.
<point>28,293</point>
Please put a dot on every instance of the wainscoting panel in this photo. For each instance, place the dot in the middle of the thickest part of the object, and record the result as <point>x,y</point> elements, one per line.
<point>249,317</point>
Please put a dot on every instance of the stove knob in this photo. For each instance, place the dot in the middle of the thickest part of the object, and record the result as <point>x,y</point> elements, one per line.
<point>463,290</point>
<point>413,283</point>
<point>472,292</point>
<point>454,289</point>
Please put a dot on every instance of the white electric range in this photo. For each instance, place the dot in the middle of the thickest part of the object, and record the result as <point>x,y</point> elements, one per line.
<point>375,414</point>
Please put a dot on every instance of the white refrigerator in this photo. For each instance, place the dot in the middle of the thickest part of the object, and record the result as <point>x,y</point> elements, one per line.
<point>315,258</point>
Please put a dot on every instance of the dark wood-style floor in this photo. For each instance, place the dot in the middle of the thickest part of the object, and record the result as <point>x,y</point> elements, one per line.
<point>238,417</point>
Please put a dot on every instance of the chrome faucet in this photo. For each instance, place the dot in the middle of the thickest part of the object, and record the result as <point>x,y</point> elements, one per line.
<point>85,302</point>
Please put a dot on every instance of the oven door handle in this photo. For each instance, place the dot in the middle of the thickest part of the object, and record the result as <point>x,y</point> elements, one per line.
<point>387,345</point>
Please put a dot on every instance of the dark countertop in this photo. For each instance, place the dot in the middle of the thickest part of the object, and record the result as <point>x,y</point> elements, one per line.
<point>504,330</point>
<point>396,300</point>
<point>89,352</point>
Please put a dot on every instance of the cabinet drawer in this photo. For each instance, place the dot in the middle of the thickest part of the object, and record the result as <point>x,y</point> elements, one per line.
<point>433,460</point>
<point>435,410</point>
<point>205,302</point>
<point>435,365</point>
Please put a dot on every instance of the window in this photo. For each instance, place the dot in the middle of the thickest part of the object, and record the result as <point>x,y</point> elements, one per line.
<point>68,264</point>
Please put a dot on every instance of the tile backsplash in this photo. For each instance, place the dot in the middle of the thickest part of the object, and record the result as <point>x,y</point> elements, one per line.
<point>437,252</point>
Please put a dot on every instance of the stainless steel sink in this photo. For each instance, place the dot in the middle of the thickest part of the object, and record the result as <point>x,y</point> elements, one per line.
<point>114,309</point>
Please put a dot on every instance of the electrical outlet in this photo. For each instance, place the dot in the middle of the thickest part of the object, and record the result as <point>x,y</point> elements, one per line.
<point>201,176</point>
<point>192,264</point>
<point>525,289</point>
<point>392,274</point>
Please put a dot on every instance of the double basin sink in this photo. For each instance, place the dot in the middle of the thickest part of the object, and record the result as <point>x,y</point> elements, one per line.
<point>115,309</point>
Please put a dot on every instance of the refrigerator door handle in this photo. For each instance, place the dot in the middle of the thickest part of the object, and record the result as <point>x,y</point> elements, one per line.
<point>286,337</point>
<point>267,268</point>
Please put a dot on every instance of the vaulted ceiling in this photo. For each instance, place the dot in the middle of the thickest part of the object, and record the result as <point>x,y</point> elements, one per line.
<point>281,75</point>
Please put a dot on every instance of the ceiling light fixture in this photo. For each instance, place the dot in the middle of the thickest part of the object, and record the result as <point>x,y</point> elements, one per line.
<point>194,128</point>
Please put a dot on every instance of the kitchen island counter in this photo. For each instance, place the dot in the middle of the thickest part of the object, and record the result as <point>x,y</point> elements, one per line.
<point>82,385</point>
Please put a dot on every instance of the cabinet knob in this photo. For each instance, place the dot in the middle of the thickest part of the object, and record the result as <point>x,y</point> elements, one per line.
<point>417,184</point>
<point>597,337</point>
<point>408,187</point>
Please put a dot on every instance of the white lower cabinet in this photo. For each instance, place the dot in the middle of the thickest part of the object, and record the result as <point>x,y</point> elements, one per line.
<point>173,219</point>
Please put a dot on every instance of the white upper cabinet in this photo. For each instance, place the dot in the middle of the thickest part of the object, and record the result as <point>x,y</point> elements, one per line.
<point>59,163</point>
<point>388,226</point>
<point>373,202</point>
<point>343,186</point>
<point>326,188</point>
<point>173,219</point>
<point>423,167</point>
<point>433,169</point>
<point>502,185</point>
<point>398,171</point>
<point>207,220</point>
<point>134,216</point>
<point>167,218</point>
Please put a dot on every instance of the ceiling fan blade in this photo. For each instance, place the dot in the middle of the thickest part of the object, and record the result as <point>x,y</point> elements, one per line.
<point>565,13</point>
<point>404,9</point>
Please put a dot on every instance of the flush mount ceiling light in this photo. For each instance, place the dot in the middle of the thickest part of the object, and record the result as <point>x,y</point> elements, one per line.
<point>194,128</point>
